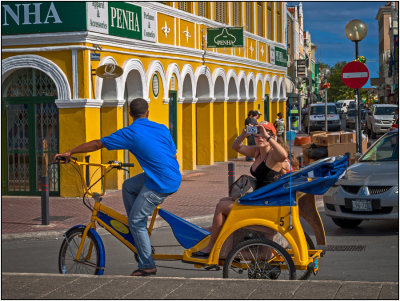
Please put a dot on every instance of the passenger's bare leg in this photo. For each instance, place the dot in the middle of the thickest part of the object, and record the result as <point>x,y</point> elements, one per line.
<point>221,212</point>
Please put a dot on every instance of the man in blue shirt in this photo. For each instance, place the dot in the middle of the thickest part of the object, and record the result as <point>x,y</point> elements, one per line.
<point>152,145</point>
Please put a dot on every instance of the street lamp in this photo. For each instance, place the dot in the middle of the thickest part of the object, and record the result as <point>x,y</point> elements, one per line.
<point>325,73</point>
<point>356,30</point>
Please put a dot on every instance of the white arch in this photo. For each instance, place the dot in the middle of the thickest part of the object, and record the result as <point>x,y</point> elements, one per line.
<point>251,78</point>
<point>219,72</point>
<point>259,78</point>
<point>282,89</point>
<point>242,76</point>
<point>204,70</point>
<point>188,70</point>
<point>134,64</point>
<point>274,88</point>
<point>267,78</point>
<point>100,81</point>
<point>156,66</point>
<point>174,69</point>
<point>232,74</point>
<point>59,78</point>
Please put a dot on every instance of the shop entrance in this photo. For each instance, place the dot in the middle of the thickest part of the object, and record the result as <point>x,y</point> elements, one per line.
<point>29,133</point>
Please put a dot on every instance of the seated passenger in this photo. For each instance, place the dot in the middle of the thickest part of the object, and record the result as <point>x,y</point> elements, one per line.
<point>269,164</point>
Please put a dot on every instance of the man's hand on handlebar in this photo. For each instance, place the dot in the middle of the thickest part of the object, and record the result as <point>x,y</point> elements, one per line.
<point>62,157</point>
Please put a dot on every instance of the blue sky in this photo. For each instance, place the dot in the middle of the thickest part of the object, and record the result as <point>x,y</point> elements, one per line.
<point>326,21</point>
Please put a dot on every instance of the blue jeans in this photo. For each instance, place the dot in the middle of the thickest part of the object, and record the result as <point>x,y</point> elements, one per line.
<point>140,202</point>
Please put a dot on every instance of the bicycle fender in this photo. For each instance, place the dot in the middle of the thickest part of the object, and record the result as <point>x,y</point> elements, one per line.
<point>99,242</point>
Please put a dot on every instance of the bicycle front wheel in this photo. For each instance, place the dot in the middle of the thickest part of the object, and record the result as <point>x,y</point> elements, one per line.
<point>89,261</point>
<point>259,258</point>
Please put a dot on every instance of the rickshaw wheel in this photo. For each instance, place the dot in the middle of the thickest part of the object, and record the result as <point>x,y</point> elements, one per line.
<point>259,258</point>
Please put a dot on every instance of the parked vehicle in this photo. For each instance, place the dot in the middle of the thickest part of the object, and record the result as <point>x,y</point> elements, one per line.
<point>369,189</point>
<point>338,105</point>
<point>380,119</point>
<point>315,119</point>
<point>351,119</point>
<point>345,104</point>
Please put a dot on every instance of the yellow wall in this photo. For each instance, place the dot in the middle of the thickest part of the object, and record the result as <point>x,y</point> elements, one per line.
<point>205,133</point>
<point>77,126</point>
<point>220,131</point>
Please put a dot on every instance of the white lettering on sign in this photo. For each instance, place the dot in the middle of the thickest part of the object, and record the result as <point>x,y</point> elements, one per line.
<point>355,74</point>
<point>124,19</point>
<point>30,9</point>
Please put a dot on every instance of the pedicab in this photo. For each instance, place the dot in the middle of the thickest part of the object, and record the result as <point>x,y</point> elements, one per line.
<point>270,211</point>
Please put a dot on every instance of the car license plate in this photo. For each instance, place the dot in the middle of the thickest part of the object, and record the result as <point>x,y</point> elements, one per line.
<point>361,205</point>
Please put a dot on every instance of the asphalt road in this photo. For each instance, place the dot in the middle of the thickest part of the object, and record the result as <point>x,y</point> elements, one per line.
<point>367,253</point>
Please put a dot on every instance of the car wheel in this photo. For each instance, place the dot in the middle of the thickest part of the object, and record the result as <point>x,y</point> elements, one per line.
<point>346,223</point>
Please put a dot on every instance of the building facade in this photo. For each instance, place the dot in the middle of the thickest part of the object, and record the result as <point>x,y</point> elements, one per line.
<point>70,69</point>
<point>387,84</point>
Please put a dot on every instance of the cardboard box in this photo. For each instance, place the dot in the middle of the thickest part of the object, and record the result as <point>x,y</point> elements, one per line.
<point>348,137</point>
<point>314,135</point>
<point>341,149</point>
<point>328,139</point>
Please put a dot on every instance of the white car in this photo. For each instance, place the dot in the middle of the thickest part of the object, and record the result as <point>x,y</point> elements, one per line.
<point>380,119</point>
<point>315,119</point>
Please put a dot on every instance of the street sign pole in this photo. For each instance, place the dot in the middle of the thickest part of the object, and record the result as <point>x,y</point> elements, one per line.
<point>358,115</point>
<point>355,75</point>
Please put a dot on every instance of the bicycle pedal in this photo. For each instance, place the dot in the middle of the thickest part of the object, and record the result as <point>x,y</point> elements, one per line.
<point>212,267</point>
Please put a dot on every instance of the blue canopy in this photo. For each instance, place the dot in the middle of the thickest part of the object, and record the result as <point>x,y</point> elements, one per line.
<point>315,178</point>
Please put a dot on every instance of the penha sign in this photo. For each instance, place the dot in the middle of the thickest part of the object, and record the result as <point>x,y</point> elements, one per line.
<point>225,37</point>
<point>112,18</point>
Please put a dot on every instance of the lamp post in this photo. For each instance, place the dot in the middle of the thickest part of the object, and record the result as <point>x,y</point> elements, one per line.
<point>355,31</point>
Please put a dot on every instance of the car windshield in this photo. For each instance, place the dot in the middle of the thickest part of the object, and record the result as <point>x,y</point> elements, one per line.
<point>320,110</point>
<point>386,149</point>
<point>351,113</point>
<point>385,110</point>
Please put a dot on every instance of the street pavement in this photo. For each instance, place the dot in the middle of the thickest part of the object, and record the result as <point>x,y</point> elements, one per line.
<point>195,201</point>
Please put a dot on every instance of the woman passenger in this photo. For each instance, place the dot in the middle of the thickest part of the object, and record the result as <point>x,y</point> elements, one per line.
<point>269,164</point>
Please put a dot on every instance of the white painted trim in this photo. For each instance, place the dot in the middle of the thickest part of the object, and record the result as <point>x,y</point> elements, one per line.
<point>275,91</point>
<point>75,74</point>
<point>128,66</point>
<point>204,70</point>
<point>79,103</point>
<point>232,74</point>
<point>155,66</point>
<point>90,74</point>
<point>114,103</point>
<point>188,70</point>
<point>251,78</point>
<point>242,76</point>
<point>173,68</point>
<point>259,77</point>
<point>99,80</point>
<point>14,63</point>
<point>219,72</point>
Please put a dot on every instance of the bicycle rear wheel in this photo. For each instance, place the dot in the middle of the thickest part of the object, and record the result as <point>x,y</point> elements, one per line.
<point>89,261</point>
<point>259,258</point>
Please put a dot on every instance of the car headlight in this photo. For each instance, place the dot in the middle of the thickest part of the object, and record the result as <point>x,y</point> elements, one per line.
<point>396,190</point>
<point>378,121</point>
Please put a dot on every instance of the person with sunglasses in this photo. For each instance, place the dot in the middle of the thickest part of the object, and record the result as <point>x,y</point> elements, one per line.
<point>269,164</point>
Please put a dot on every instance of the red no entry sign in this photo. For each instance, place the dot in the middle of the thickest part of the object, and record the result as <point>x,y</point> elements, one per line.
<point>355,75</point>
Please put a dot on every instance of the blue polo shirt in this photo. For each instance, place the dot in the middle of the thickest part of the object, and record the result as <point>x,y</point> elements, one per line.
<point>152,145</point>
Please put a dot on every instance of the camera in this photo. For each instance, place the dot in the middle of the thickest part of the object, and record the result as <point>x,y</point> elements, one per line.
<point>252,130</point>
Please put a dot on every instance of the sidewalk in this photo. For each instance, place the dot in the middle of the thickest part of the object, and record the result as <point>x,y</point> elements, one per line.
<point>55,286</point>
<point>194,201</point>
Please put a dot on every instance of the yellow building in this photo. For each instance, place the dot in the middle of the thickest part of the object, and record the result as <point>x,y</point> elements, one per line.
<point>53,99</point>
